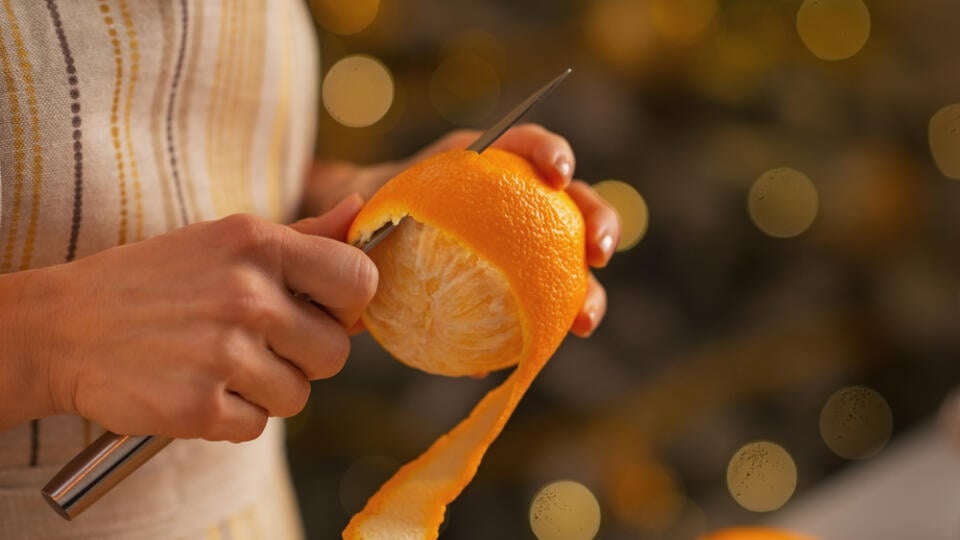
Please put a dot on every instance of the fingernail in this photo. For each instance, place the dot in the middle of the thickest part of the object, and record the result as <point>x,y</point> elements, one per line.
<point>592,325</point>
<point>606,245</point>
<point>563,167</point>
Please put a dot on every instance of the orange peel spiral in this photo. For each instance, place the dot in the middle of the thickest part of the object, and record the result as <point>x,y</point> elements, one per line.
<point>487,271</point>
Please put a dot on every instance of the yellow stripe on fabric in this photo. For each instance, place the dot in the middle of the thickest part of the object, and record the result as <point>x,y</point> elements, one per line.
<point>281,122</point>
<point>253,525</point>
<point>26,69</point>
<point>134,73</point>
<point>115,118</point>
<point>235,528</point>
<point>156,114</point>
<point>183,115</point>
<point>240,526</point>
<point>214,154</point>
<point>253,87</point>
<point>19,146</point>
<point>213,533</point>
<point>229,132</point>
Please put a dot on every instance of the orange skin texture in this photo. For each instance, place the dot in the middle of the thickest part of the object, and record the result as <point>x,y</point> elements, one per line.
<point>498,206</point>
<point>755,533</point>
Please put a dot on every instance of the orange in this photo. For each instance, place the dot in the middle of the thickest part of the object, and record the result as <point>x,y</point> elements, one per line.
<point>755,533</point>
<point>487,271</point>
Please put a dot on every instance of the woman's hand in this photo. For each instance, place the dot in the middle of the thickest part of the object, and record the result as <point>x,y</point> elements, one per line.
<point>549,152</point>
<point>194,333</point>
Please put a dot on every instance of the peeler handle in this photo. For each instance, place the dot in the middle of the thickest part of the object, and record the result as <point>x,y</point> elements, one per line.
<point>97,469</point>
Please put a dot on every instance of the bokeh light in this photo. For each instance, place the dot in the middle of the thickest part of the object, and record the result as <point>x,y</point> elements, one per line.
<point>362,479</point>
<point>944,135</point>
<point>833,29</point>
<point>465,89</point>
<point>749,42</point>
<point>783,202</point>
<point>476,42</point>
<point>682,22</point>
<point>630,207</point>
<point>856,422</point>
<point>761,476</point>
<point>620,32</point>
<point>358,91</point>
<point>565,510</point>
<point>874,202</point>
<point>344,18</point>
<point>645,494</point>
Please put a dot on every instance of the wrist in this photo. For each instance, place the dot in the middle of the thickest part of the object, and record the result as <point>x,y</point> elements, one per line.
<point>330,181</point>
<point>325,183</point>
<point>25,318</point>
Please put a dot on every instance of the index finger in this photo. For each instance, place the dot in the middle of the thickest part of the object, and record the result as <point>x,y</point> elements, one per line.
<point>602,221</point>
<point>549,152</point>
<point>338,276</point>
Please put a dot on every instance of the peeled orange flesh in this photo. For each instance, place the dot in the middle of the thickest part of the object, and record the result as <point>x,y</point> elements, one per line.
<point>466,305</point>
<point>486,270</point>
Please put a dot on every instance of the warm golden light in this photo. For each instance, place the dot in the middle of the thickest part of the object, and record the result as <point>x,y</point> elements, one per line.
<point>620,32</point>
<point>856,422</point>
<point>761,476</point>
<point>565,510</point>
<point>833,29</point>
<point>342,17</point>
<point>783,202</point>
<point>748,43</point>
<point>358,91</point>
<point>630,206</point>
<point>875,200</point>
<point>682,22</point>
<point>644,493</point>
<point>465,89</point>
<point>945,140</point>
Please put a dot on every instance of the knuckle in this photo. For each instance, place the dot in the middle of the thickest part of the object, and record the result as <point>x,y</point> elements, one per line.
<point>365,277</point>
<point>533,129</point>
<point>245,233</point>
<point>251,427</point>
<point>295,399</point>
<point>334,356</point>
<point>459,135</point>
<point>228,349</point>
<point>207,414</point>
<point>244,303</point>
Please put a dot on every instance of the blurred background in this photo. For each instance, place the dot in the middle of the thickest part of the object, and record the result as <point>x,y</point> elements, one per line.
<point>782,331</point>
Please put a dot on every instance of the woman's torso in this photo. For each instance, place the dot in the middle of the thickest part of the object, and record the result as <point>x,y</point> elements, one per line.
<point>121,120</point>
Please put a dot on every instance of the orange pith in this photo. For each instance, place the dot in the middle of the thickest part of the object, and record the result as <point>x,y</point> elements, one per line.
<point>467,321</point>
<point>488,270</point>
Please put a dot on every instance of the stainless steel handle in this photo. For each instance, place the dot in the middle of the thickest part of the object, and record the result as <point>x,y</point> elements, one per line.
<point>99,467</point>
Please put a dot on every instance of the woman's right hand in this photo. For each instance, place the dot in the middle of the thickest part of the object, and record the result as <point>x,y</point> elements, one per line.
<point>195,333</point>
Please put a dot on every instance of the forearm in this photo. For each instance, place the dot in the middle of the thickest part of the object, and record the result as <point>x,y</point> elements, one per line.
<point>330,181</point>
<point>24,370</point>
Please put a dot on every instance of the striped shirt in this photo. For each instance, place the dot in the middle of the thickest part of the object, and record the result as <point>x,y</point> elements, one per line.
<point>121,120</point>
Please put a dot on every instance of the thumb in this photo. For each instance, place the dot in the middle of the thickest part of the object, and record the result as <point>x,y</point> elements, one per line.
<point>335,223</point>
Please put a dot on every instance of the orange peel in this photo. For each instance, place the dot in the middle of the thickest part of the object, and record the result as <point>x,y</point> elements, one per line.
<point>755,533</point>
<point>487,271</point>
